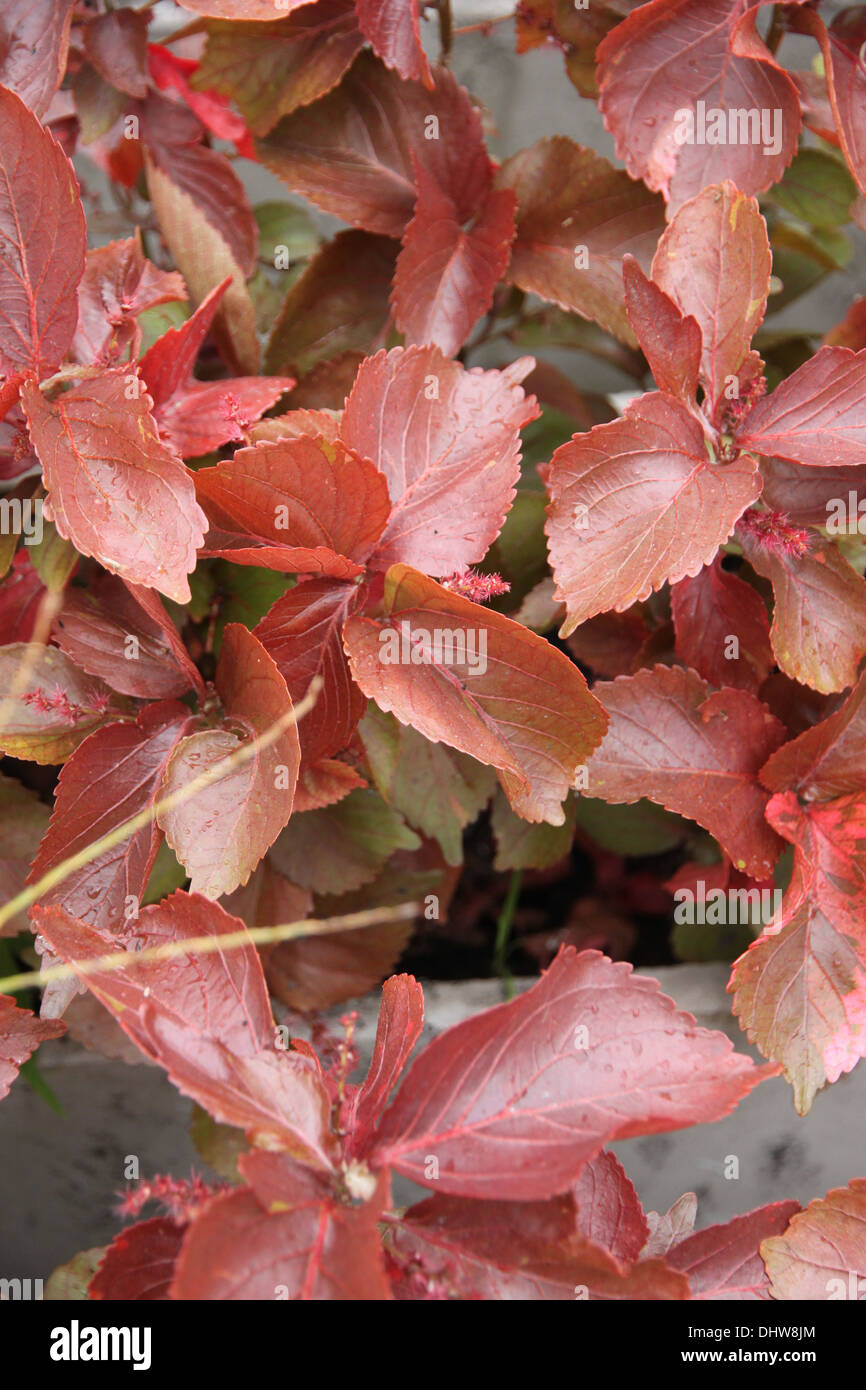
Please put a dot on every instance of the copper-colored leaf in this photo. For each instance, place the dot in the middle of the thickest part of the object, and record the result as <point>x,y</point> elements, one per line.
<point>693,751</point>
<point>490,688</point>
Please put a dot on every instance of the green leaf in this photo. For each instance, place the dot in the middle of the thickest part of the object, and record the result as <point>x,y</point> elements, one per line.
<point>541,439</point>
<point>68,1283</point>
<point>341,847</point>
<point>817,188</point>
<point>37,1083</point>
<point>631,830</point>
<point>165,876</point>
<point>522,845</point>
<point>437,789</point>
<point>697,941</point>
<point>218,1145</point>
<point>251,593</point>
<point>53,558</point>
<point>158,320</point>
<point>802,259</point>
<point>519,553</point>
<point>284,225</point>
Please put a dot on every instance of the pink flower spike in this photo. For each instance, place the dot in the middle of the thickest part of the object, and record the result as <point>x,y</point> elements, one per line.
<point>775,533</point>
<point>479,587</point>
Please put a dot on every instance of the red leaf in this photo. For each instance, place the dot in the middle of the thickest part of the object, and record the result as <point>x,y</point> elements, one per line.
<point>511,700</point>
<point>609,1212</point>
<point>172,73</point>
<point>115,774</point>
<point>172,136</point>
<point>394,30</point>
<point>722,628</point>
<point>139,1264</point>
<point>646,83</point>
<point>153,607</point>
<point>302,632</point>
<point>817,415</point>
<point>221,833</point>
<point>243,9</point>
<point>724,1263</point>
<point>55,709</point>
<point>674,1225</point>
<point>351,153</point>
<point>401,1020</point>
<point>577,217</point>
<point>325,783</point>
<point>493,1250</point>
<point>695,752</point>
<point>810,496</point>
<point>126,639</point>
<point>317,972</point>
<point>841,47</point>
<point>613,644</point>
<point>822,1255</point>
<point>205,257</point>
<point>20,1035</point>
<point>819,618</point>
<point>827,760</point>
<point>446,273</point>
<point>671,341</point>
<point>301,505</point>
<point>196,417</point>
<point>514,1101</point>
<point>638,502</point>
<point>850,331</point>
<point>167,366</point>
<point>314,972</point>
<point>270,70</point>
<point>118,285</point>
<point>447,441</point>
<point>34,41</point>
<point>800,989</point>
<point>295,423</point>
<point>115,491</point>
<point>208,414</point>
<point>714,263</point>
<point>42,239</point>
<point>206,1018</point>
<point>268,898</point>
<point>288,1236</point>
<point>116,44</point>
<point>338,305</point>
<point>23,821</point>
<point>21,592</point>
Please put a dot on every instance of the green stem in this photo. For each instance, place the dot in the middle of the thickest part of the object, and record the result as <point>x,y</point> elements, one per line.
<point>503,933</point>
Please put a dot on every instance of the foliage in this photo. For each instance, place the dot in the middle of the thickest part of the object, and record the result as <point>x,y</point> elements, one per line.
<point>288,606</point>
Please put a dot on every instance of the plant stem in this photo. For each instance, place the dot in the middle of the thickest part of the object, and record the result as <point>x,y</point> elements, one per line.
<point>483,25</point>
<point>503,933</point>
<point>776,31</point>
<point>446,29</point>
